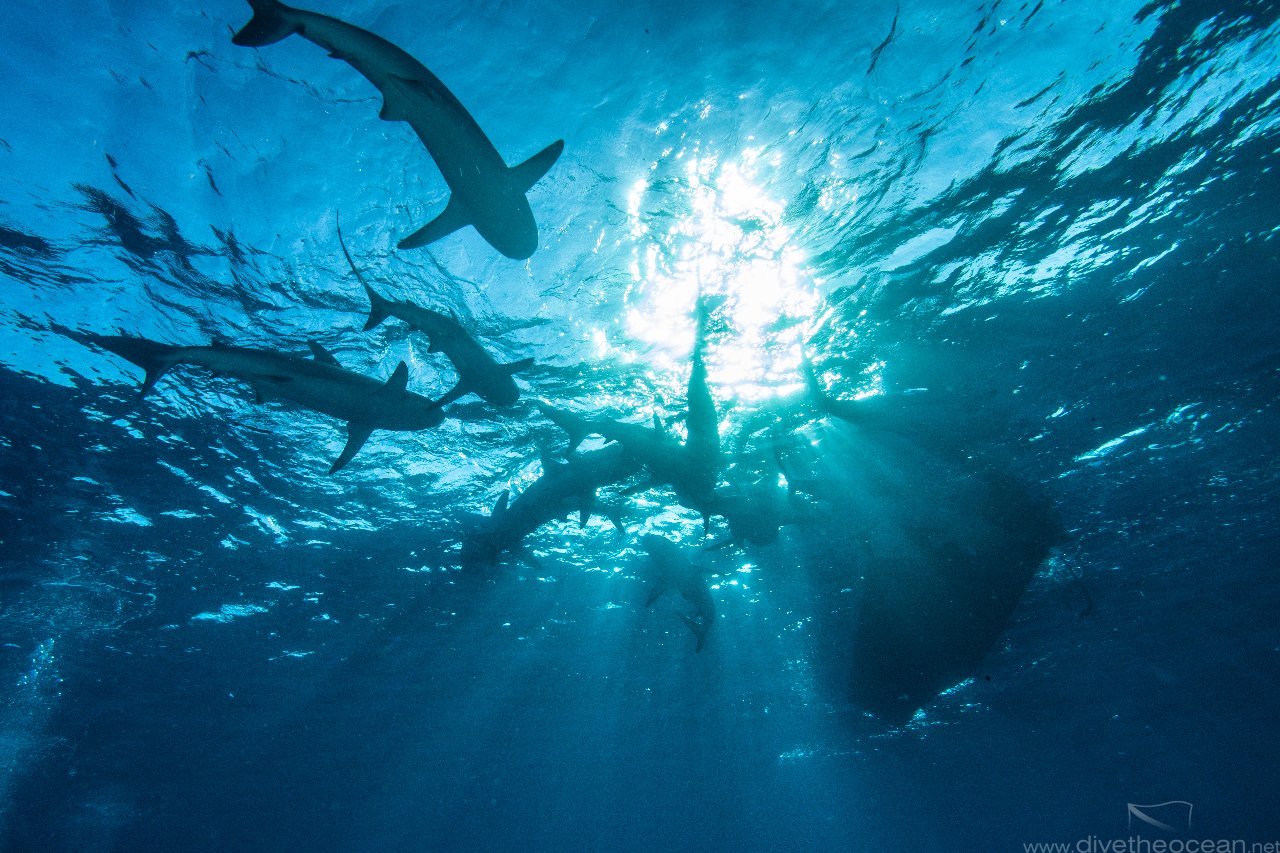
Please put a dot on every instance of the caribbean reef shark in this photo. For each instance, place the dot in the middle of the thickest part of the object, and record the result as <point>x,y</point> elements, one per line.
<point>691,468</point>
<point>485,192</point>
<point>564,487</point>
<point>318,383</point>
<point>478,373</point>
<point>671,569</point>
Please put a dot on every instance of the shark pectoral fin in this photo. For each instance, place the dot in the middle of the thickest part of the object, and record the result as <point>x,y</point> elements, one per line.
<point>453,217</point>
<point>655,592</point>
<point>457,391</point>
<point>433,344</point>
<point>263,394</point>
<point>614,514</point>
<point>584,509</point>
<point>528,173</point>
<point>357,435</point>
<point>519,366</point>
<point>322,355</point>
<point>396,103</point>
<point>501,506</point>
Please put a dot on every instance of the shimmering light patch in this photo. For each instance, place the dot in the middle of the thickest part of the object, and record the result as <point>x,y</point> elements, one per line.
<point>1108,446</point>
<point>714,230</point>
<point>228,612</point>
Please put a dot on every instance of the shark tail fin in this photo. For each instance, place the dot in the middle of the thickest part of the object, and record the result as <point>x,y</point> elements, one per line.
<point>699,630</point>
<point>528,173</point>
<point>379,305</point>
<point>270,23</point>
<point>154,358</point>
<point>577,428</point>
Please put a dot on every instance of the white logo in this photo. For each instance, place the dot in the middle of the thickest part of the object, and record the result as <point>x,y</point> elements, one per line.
<point>1173,816</point>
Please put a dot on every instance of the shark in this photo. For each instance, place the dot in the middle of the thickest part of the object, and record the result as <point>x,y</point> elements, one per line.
<point>672,570</point>
<point>319,383</point>
<point>485,193</point>
<point>478,372</point>
<point>691,468</point>
<point>564,487</point>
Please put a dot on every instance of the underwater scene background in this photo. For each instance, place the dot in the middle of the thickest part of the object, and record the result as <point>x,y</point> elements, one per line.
<point>990,297</point>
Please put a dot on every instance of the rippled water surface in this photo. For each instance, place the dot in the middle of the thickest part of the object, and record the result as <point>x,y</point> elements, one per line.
<point>991,304</point>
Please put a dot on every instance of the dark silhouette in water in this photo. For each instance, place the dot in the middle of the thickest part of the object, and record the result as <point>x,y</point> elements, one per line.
<point>486,193</point>
<point>691,468</point>
<point>929,617</point>
<point>673,570</point>
<point>318,383</point>
<point>478,373</point>
<point>944,542</point>
<point>564,487</point>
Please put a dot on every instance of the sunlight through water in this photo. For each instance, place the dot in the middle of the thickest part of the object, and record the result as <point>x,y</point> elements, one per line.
<point>726,239</point>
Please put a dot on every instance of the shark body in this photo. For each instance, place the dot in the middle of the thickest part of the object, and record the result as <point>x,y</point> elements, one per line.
<point>318,383</point>
<point>478,372</point>
<point>485,192</point>
<point>691,468</point>
<point>672,570</point>
<point>565,487</point>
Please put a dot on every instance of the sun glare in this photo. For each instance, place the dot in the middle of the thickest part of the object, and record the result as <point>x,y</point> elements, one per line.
<point>712,229</point>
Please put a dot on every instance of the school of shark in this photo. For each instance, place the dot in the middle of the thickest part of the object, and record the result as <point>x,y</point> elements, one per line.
<point>920,629</point>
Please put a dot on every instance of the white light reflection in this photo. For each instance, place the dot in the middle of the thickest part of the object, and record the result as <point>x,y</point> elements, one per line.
<point>714,229</point>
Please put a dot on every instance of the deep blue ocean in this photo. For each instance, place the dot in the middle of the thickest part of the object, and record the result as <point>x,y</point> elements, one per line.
<point>992,299</point>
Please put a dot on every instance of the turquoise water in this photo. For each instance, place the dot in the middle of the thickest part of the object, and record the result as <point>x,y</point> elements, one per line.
<point>1026,577</point>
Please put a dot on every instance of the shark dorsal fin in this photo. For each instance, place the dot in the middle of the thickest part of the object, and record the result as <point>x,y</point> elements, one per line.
<point>218,343</point>
<point>399,380</point>
<point>322,355</point>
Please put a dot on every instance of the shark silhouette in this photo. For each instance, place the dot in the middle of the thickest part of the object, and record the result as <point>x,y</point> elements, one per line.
<point>478,372</point>
<point>564,487</point>
<point>672,570</point>
<point>691,468</point>
<point>318,383</point>
<point>485,193</point>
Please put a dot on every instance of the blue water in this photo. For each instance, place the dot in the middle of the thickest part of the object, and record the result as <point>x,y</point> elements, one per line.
<point>1042,237</point>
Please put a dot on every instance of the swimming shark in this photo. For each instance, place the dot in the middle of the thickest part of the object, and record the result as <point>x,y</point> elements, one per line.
<point>478,373</point>
<point>690,468</point>
<point>319,383</point>
<point>565,486</point>
<point>672,570</point>
<point>485,193</point>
